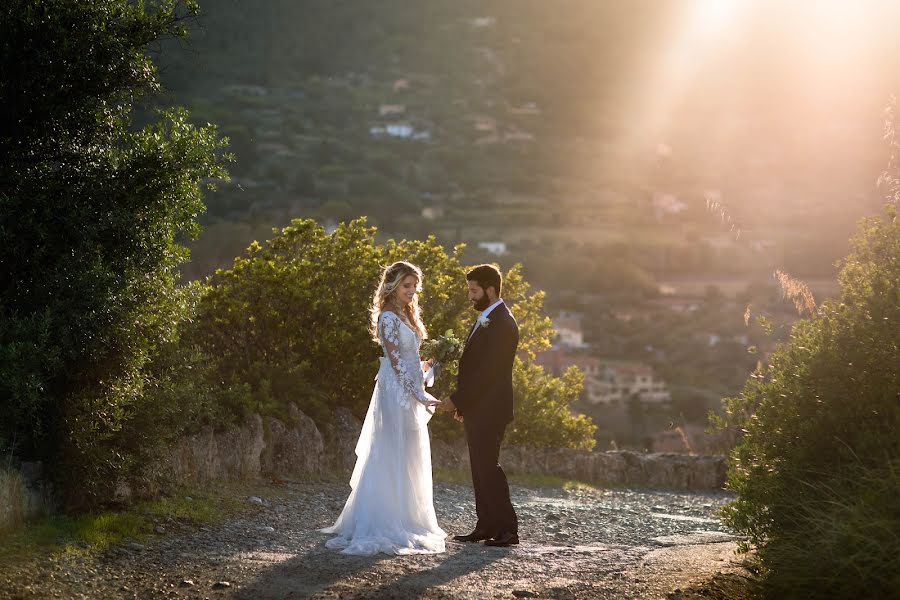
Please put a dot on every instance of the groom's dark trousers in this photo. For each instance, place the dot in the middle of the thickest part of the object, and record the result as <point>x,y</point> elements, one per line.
<point>492,504</point>
<point>484,398</point>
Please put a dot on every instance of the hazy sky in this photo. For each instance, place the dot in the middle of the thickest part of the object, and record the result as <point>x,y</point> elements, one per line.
<point>780,91</point>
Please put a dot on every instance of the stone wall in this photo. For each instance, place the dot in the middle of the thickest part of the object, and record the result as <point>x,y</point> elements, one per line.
<point>265,447</point>
<point>262,447</point>
<point>633,469</point>
<point>626,468</point>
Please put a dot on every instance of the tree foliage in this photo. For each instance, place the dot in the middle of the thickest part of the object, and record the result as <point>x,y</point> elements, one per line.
<point>90,210</point>
<point>542,403</point>
<point>291,321</point>
<point>821,424</point>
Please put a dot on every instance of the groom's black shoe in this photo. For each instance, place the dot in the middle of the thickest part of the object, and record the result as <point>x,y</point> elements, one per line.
<point>475,536</point>
<point>504,539</point>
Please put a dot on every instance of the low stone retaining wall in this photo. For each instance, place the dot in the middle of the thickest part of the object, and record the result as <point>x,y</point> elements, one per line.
<point>633,469</point>
<point>266,447</point>
<point>619,468</point>
<point>263,446</point>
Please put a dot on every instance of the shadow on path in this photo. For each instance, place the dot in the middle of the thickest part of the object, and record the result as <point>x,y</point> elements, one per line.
<point>320,569</point>
<point>307,574</point>
<point>471,558</point>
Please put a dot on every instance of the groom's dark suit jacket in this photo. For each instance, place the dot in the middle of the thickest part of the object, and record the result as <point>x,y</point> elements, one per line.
<point>484,391</point>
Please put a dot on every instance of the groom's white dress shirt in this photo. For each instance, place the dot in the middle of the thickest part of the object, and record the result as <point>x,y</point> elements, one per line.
<point>483,316</point>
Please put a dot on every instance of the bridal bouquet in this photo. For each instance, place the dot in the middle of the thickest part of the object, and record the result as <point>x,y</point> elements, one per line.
<point>441,350</point>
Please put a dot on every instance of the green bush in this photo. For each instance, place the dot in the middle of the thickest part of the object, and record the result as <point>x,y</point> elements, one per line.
<point>821,423</point>
<point>180,395</point>
<point>90,208</point>
<point>542,409</point>
<point>290,321</point>
<point>851,545</point>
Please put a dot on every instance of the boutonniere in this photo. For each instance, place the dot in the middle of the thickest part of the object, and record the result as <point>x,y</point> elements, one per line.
<point>483,321</point>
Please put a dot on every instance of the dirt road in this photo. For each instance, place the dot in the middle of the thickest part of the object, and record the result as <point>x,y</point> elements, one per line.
<point>576,543</point>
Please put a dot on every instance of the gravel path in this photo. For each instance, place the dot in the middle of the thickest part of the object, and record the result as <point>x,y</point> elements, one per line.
<point>578,543</point>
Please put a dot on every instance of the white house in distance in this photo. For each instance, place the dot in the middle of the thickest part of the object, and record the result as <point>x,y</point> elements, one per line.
<point>432,212</point>
<point>667,204</point>
<point>609,382</point>
<point>569,333</point>
<point>482,22</point>
<point>391,109</point>
<point>496,248</point>
<point>619,381</point>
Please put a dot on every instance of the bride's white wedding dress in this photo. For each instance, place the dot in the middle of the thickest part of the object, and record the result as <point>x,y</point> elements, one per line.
<point>390,508</point>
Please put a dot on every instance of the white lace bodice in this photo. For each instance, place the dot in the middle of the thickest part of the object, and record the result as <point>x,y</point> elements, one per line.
<point>401,350</point>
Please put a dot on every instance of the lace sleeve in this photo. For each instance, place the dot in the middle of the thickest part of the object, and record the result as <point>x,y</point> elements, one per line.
<point>408,374</point>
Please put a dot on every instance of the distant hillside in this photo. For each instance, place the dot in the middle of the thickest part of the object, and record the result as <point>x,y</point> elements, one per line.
<point>526,122</point>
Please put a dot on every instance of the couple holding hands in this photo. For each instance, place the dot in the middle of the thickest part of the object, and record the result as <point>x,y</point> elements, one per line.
<point>390,508</point>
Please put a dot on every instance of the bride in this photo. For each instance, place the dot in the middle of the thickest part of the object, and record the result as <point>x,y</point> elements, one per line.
<point>390,508</point>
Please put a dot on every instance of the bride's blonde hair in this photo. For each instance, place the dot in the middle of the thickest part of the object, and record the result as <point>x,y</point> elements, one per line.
<point>384,296</point>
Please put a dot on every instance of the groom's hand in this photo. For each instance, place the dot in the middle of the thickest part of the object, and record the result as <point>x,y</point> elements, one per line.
<point>448,405</point>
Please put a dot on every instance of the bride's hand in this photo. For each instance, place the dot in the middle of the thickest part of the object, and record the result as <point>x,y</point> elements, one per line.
<point>431,401</point>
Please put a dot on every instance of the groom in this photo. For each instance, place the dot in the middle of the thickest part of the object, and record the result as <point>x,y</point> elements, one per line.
<point>483,401</point>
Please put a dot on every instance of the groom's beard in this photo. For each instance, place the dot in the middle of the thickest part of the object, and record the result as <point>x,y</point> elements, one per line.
<point>481,304</point>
